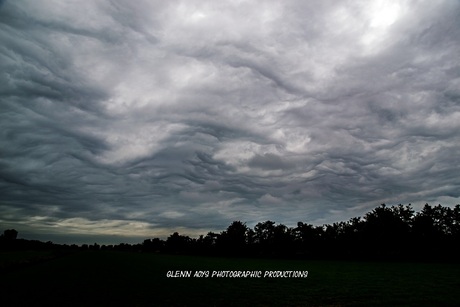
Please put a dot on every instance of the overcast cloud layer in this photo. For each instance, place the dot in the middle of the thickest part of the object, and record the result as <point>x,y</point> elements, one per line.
<point>134,119</point>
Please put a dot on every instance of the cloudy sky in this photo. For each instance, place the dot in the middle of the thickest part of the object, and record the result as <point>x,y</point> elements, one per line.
<point>125,120</point>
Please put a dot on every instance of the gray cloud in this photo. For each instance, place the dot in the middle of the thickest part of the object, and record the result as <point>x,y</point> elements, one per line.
<point>131,120</point>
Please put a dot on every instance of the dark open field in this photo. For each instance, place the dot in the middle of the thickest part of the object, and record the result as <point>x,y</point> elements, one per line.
<point>136,279</point>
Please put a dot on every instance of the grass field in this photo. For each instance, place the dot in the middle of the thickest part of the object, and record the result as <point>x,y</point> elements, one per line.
<point>136,279</point>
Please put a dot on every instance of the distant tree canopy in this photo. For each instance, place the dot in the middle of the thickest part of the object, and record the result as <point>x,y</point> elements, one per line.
<point>395,232</point>
<point>10,234</point>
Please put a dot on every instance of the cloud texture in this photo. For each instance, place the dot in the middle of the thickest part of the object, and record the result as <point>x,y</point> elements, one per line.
<point>137,119</point>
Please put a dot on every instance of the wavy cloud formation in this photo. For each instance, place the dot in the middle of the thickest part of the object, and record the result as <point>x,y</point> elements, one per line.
<point>135,119</point>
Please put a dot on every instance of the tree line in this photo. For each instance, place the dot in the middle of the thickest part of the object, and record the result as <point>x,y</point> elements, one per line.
<point>387,233</point>
<point>395,232</point>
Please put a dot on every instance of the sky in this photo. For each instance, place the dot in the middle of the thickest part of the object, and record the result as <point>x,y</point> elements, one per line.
<point>126,120</point>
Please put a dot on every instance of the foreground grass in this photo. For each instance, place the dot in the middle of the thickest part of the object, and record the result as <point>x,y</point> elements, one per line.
<point>10,260</point>
<point>130,279</point>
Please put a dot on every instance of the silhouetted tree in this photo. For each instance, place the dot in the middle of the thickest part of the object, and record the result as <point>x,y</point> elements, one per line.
<point>153,245</point>
<point>386,230</point>
<point>352,237</point>
<point>435,231</point>
<point>206,244</point>
<point>455,226</point>
<point>307,237</point>
<point>10,234</point>
<point>234,240</point>
<point>264,236</point>
<point>283,240</point>
<point>94,247</point>
<point>177,243</point>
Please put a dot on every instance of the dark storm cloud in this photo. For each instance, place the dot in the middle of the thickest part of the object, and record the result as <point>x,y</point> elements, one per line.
<point>140,119</point>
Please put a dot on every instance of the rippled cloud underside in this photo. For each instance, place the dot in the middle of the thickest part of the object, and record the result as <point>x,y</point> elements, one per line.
<point>134,119</point>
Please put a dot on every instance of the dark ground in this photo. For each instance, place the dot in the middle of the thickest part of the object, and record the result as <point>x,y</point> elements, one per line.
<point>140,279</point>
